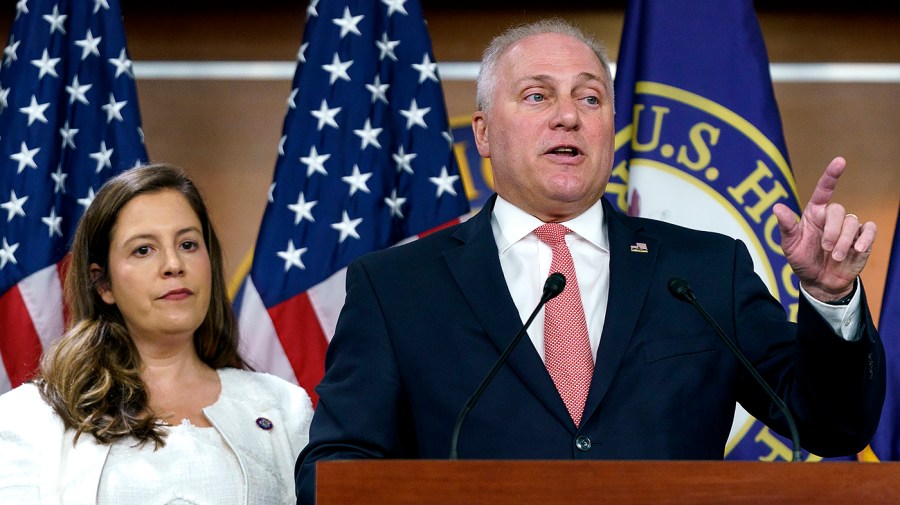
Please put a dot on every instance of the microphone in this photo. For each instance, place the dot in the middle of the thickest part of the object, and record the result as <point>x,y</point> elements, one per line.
<point>682,290</point>
<point>553,286</point>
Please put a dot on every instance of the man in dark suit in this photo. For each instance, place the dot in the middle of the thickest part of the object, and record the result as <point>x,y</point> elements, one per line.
<point>616,367</point>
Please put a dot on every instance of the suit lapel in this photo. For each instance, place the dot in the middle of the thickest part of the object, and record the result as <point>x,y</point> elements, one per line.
<point>475,266</point>
<point>631,269</point>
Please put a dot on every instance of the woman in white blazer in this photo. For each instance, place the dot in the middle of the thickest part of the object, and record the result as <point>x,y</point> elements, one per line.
<point>146,398</point>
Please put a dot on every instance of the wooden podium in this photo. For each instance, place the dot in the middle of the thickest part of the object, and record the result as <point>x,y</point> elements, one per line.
<point>506,482</point>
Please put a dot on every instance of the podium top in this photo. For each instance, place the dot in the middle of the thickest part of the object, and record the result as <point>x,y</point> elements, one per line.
<point>505,482</point>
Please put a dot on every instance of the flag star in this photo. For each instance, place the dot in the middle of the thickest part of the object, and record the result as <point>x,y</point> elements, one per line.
<point>337,69</point>
<point>315,162</point>
<point>271,195</point>
<point>449,136</point>
<point>53,222</point>
<point>21,8</point>
<point>386,47</point>
<point>140,132</point>
<point>403,160</point>
<point>7,253</point>
<point>414,115</point>
<point>114,109</point>
<point>9,52</point>
<point>123,64</point>
<point>102,156</point>
<point>311,9</point>
<point>368,135</point>
<point>291,256</point>
<point>301,53</point>
<point>357,180</point>
<point>25,157</point>
<point>348,23</point>
<point>59,179</point>
<point>77,91</point>
<point>281,145</point>
<point>68,135</point>
<point>302,209</point>
<point>100,3</point>
<point>56,20</point>
<point>347,227</point>
<point>395,202</point>
<point>46,65</point>
<point>290,101</point>
<point>35,111</point>
<point>87,200</point>
<point>326,115</point>
<point>4,98</point>
<point>444,183</point>
<point>14,206</point>
<point>395,6</point>
<point>427,69</point>
<point>378,90</point>
<point>89,45</point>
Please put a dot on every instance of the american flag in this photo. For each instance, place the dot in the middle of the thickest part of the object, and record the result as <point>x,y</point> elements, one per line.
<point>69,120</point>
<point>365,162</point>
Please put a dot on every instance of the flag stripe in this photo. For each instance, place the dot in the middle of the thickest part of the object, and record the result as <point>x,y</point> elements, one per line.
<point>42,294</point>
<point>303,340</point>
<point>20,346</point>
<point>260,345</point>
<point>326,299</point>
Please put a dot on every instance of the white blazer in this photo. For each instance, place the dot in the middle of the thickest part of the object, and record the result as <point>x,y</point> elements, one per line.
<point>40,464</point>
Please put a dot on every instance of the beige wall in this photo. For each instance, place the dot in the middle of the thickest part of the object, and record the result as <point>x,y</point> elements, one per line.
<point>225,133</point>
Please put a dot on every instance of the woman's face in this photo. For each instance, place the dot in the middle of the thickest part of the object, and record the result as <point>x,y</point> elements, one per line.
<point>159,271</point>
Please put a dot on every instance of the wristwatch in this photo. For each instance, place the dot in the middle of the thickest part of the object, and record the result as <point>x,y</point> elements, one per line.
<point>845,300</point>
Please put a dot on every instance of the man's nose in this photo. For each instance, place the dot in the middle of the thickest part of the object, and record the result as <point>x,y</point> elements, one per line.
<point>567,116</point>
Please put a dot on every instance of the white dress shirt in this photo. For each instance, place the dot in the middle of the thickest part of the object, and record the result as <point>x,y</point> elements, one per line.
<point>525,261</point>
<point>526,264</point>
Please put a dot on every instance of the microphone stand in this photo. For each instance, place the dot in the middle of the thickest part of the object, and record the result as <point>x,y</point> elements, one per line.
<point>553,286</point>
<point>682,290</point>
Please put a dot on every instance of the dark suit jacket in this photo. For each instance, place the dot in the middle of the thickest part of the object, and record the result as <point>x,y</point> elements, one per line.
<point>423,324</point>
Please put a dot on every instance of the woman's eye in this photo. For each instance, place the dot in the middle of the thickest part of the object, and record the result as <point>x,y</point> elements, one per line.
<point>189,245</point>
<point>142,250</point>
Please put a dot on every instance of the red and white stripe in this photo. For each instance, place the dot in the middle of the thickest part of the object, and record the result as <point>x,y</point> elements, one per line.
<point>33,318</point>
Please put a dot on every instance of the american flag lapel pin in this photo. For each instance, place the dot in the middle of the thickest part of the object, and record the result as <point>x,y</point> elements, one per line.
<point>639,247</point>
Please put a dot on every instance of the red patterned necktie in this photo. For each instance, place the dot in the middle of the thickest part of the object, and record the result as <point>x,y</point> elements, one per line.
<point>567,348</point>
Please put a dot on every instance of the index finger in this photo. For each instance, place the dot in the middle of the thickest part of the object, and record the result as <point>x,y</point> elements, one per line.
<point>825,187</point>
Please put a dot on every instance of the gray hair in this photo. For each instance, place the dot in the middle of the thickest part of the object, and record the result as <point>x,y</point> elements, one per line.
<point>487,81</point>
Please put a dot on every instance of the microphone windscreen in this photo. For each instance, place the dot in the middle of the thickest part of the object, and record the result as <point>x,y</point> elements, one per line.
<point>679,288</point>
<point>554,285</point>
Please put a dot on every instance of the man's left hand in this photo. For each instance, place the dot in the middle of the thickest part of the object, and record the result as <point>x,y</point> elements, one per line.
<point>827,247</point>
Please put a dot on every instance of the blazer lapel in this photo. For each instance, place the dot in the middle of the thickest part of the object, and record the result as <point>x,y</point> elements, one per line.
<point>475,266</point>
<point>632,258</point>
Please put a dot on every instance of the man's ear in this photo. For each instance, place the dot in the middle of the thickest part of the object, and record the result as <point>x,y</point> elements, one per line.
<point>98,276</point>
<point>479,128</point>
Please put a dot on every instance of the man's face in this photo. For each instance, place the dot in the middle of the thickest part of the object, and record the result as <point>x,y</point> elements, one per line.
<point>549,130</point>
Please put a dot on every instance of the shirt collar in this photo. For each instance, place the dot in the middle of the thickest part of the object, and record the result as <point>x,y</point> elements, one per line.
<point>514,224</point>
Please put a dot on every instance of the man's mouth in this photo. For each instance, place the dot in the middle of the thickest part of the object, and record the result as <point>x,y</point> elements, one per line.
<point>565,151</point>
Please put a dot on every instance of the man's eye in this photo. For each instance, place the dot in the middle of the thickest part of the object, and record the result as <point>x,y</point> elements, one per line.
<point>535,97</point>
<point>592,100</point>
